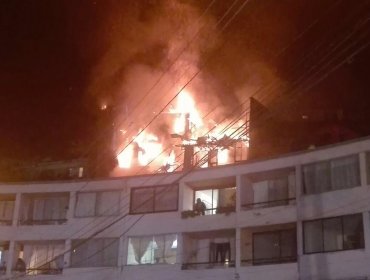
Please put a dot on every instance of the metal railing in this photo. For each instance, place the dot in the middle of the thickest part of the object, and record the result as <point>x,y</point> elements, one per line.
<point>270,203</point>
<point>207,265</point>
<point>273,260</point>
<point>43,222</point>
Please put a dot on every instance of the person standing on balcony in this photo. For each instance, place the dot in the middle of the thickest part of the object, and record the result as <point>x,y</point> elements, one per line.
<point>200,207</point>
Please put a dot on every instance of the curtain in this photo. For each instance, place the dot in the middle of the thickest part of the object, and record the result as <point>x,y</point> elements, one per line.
<point>170,252</point>
<point>6,210</point>
<point>278,190</point>
<point>85,205</point>
<point>140,246</point>
<point>345,172</point>
<point>160,252</point>
<point>316,177</point>
<point>260,191</point>
<point>38,209</point>
<point>333,238</point>
<point>108,203</point>
<point>313,239</point>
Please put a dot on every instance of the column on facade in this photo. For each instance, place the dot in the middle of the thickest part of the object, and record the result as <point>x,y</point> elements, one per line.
<point>239,185</point>
<point>11,258</point>
<point>299,192</point>
<point>366,222</point>
<point>67,254</point>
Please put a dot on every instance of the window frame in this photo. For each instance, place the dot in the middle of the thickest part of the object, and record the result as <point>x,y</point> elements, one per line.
<point>213,189</point>
<point>81,242</point>
<point>96,206</point>
<point>329,163</point>
<point>278,260</point>
<point>342,234</point>
<point>152,237</point>
<point>153,199</point>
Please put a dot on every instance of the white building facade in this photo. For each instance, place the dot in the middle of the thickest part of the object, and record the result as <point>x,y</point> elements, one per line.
<point>299,216</point>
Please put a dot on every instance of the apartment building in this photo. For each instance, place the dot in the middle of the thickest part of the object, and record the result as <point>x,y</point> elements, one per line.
<point>298,216</point>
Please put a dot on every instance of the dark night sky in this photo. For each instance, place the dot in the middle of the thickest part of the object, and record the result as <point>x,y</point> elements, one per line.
<point>49,52</point>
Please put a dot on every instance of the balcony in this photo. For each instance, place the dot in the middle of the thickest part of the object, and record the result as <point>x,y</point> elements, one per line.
<point>268,189</point>
<point>7,203</point>
<point>209,197</point>
<point>44,209</point>
<point>209,250</point>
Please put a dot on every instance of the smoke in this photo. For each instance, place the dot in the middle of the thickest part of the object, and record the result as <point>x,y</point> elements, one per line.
<point>144,39</point>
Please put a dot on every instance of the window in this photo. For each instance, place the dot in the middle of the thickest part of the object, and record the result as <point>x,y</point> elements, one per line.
<point>336,174</point>
<point>154,199</point>
<point>158,249</point>
<point>44,209</point>
<point>89,204</point>
<point>41,258</point>
<point>333,234</point>
<point>268,189</point>
<point>95,252</point>
<point>216,200</point>
<point>6,210</point>
<point>274,247</point>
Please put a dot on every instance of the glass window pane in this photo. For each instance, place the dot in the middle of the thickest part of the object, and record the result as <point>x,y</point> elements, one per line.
<point>333,238</point>
<point>316,177</point>
<point>345,172</point>
<point>142,200</point>
<point>353,232</point>
<point>313,239</point>
<point>94,252</point>
<point>110,252</point>
<point>170,249</point>
<point>166,198</point>
<point>226,197</point>
<point>266,247</point>
<point>85,204</point>
<point>107,203</point>
<point>288,243</point>
<point>260,191</point>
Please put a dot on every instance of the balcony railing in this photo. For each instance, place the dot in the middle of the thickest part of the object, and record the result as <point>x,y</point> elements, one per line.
<point>207,265</point>
<point>209,211</point>
<point>273,260</point>
<point>271,203</point>
<point>5,222</point>
<point>43,222</point>
<point>44,271</point>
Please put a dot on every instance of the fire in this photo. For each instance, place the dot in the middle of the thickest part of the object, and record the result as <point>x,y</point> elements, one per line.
<point>185,105</point>
<point>125,157</point>
<point>144,148</point>
<point>211,148</point>
<point>149,147</point>
<point>223,156</point>
<point>170,162</point>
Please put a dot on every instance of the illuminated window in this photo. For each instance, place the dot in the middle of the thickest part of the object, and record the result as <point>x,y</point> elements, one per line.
<point>158,249</point>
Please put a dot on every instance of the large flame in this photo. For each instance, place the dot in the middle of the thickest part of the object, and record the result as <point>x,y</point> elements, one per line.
<point>185,105</point>
<point>147,147</point>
